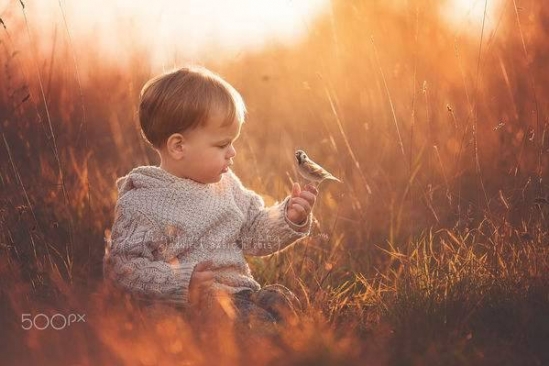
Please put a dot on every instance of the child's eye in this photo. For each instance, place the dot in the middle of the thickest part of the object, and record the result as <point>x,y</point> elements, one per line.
<point>224,145</point>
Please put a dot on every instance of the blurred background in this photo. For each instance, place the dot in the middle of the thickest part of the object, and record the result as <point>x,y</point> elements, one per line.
<point>433,113</point>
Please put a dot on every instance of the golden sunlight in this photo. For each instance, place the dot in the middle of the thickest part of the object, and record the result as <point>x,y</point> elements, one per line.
<point>469,15</point>
<point>170,31</point>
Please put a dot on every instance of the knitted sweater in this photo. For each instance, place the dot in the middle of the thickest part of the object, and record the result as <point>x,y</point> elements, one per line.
<point>164,225</point>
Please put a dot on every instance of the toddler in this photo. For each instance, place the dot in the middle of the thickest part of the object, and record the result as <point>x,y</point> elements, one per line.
<point>181,229</point>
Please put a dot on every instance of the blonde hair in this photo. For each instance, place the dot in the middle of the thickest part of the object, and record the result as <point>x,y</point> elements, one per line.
<point>182,100</point>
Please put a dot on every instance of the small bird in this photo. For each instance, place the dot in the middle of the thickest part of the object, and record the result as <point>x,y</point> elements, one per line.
<point>311,170</point>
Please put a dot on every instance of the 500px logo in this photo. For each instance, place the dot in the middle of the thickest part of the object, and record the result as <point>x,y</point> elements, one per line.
<point>56,321</point>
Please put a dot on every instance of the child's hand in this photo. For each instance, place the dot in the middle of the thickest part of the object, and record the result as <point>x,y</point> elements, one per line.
<point>201,279</point>
<point>301,203</point>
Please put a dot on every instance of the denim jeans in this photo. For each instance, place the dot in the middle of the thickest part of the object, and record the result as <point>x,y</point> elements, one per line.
<point>271,304</point>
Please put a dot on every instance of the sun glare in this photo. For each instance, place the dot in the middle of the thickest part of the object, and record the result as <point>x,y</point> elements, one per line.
<point>468,15</point>
<point>172,30</point>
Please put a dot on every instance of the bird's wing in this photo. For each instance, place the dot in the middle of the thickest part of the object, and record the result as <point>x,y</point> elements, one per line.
<point>316,170</point>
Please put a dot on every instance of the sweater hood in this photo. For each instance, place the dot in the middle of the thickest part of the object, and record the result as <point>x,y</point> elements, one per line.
<point>145,177</point>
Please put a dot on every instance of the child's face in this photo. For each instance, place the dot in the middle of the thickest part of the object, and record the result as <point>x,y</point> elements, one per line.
<point>209,149</point>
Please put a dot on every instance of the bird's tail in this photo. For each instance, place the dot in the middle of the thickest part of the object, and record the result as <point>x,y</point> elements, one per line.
<point>331,177</point>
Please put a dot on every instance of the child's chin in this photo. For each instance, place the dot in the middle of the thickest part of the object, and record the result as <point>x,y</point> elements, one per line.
<point>214,179</point>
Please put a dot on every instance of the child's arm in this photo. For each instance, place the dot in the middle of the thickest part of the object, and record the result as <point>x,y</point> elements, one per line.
<point>267,229</point>
<point>132,266</point>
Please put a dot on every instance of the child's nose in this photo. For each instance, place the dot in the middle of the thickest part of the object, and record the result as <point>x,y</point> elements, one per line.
<point>232,152</point>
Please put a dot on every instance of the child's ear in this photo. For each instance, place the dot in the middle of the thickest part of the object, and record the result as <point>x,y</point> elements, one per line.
<point>176,146</point>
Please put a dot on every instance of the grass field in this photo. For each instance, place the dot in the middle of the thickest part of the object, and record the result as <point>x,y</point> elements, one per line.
<point>433,251</point>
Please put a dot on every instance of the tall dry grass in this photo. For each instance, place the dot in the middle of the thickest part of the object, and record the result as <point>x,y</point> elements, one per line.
<point>433,251</point>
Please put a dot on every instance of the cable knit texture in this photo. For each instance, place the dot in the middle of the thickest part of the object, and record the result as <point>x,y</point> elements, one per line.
<point>165,225</point>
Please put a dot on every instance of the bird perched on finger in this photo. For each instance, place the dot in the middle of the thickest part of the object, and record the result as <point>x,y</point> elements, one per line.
<point>311,170</point>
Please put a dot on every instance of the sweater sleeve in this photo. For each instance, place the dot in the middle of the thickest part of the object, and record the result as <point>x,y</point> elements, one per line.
<point>266,229</point>
<point>131,264</point>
